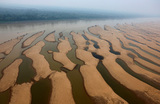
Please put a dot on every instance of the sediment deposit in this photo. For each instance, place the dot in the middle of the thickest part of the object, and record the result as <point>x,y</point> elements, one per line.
<point>110,65</point>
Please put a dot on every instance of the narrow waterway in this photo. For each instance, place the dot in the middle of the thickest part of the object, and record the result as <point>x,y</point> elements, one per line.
<point>132,50</point>
<point>79,93</point>
<point>111,49</point>
<point>41,91</point>
<point>5,96</point>
<point>26,70</point>
<point>138,76</point>
<point>133,45</point>
<point>117,87</point>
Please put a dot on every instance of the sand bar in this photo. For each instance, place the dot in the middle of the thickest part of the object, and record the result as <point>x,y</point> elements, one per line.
<point>29,41</point>
<point>138,38</point>
<point>50,37</point>
<point>80,41</point>
<point>7,47</point>
<point>61,57</point>
<point>142,72</point>
<point>124,78</point>
<point>10,75</point>
<point>61,89</point>
<point>64,47</point>
<point>21,94</point>
<point>39,62</point>
<point>147,64</point>
<point>100,92</point>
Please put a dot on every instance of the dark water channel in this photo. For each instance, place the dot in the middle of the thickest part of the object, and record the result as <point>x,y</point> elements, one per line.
<point>97,56</point>
<point>117,87</point>
<point>5,96</point>
<point>133,45</point>
<point>79,93</point>
<point>26,70</point>
<point>132,50</point>
<point>138,76</point>
<point>111,49</point>
<point>41,91</point>
<point>51,46</point>
<point>95,44</point>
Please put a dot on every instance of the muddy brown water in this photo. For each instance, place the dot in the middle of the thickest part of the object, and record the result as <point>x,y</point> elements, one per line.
<point>51,46</point>
<point>26,71</point>
<point>78,90</point>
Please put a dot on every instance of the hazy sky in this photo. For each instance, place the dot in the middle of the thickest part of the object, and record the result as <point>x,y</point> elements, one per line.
<point>132,6</point>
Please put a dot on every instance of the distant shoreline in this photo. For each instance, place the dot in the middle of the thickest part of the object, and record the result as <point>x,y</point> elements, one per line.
<point>9,15</point>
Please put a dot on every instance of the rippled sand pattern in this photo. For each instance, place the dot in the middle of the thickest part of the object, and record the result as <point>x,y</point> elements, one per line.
<point>114,65</point>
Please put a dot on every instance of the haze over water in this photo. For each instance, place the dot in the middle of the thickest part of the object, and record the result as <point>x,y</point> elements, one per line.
<point>147,7</point>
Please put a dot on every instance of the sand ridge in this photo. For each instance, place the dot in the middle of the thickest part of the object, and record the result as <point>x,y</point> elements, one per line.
<point>100,90</point>
<point>50,37</point>
<point>7,47</point>
<point>124,78</point>
<point>61,90</point>
<point>21,94</point>
<point>80,41</point>
<point>39,62</point>
<point>64,47</point>
<point>29,41</point>
<point>10,75</point>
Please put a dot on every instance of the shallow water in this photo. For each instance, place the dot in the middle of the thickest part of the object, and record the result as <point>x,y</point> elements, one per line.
<point>26,71</point>
<point>12,30</point>
<point>78,90</point>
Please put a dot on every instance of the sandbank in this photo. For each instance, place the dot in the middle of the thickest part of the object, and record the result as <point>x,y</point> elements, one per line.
<point>21,94</point>
<point>10,75</point>
<point>64,47</point>
<point>7,47</point>
<point>50,37</point>
<point>39,62</point>
<point>29,41</point>
<point>61,89</point>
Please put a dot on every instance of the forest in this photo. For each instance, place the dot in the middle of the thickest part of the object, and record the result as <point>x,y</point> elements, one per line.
<point>8,14</point>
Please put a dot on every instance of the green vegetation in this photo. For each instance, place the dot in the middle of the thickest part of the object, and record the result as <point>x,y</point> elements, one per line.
<point>35,14</point>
